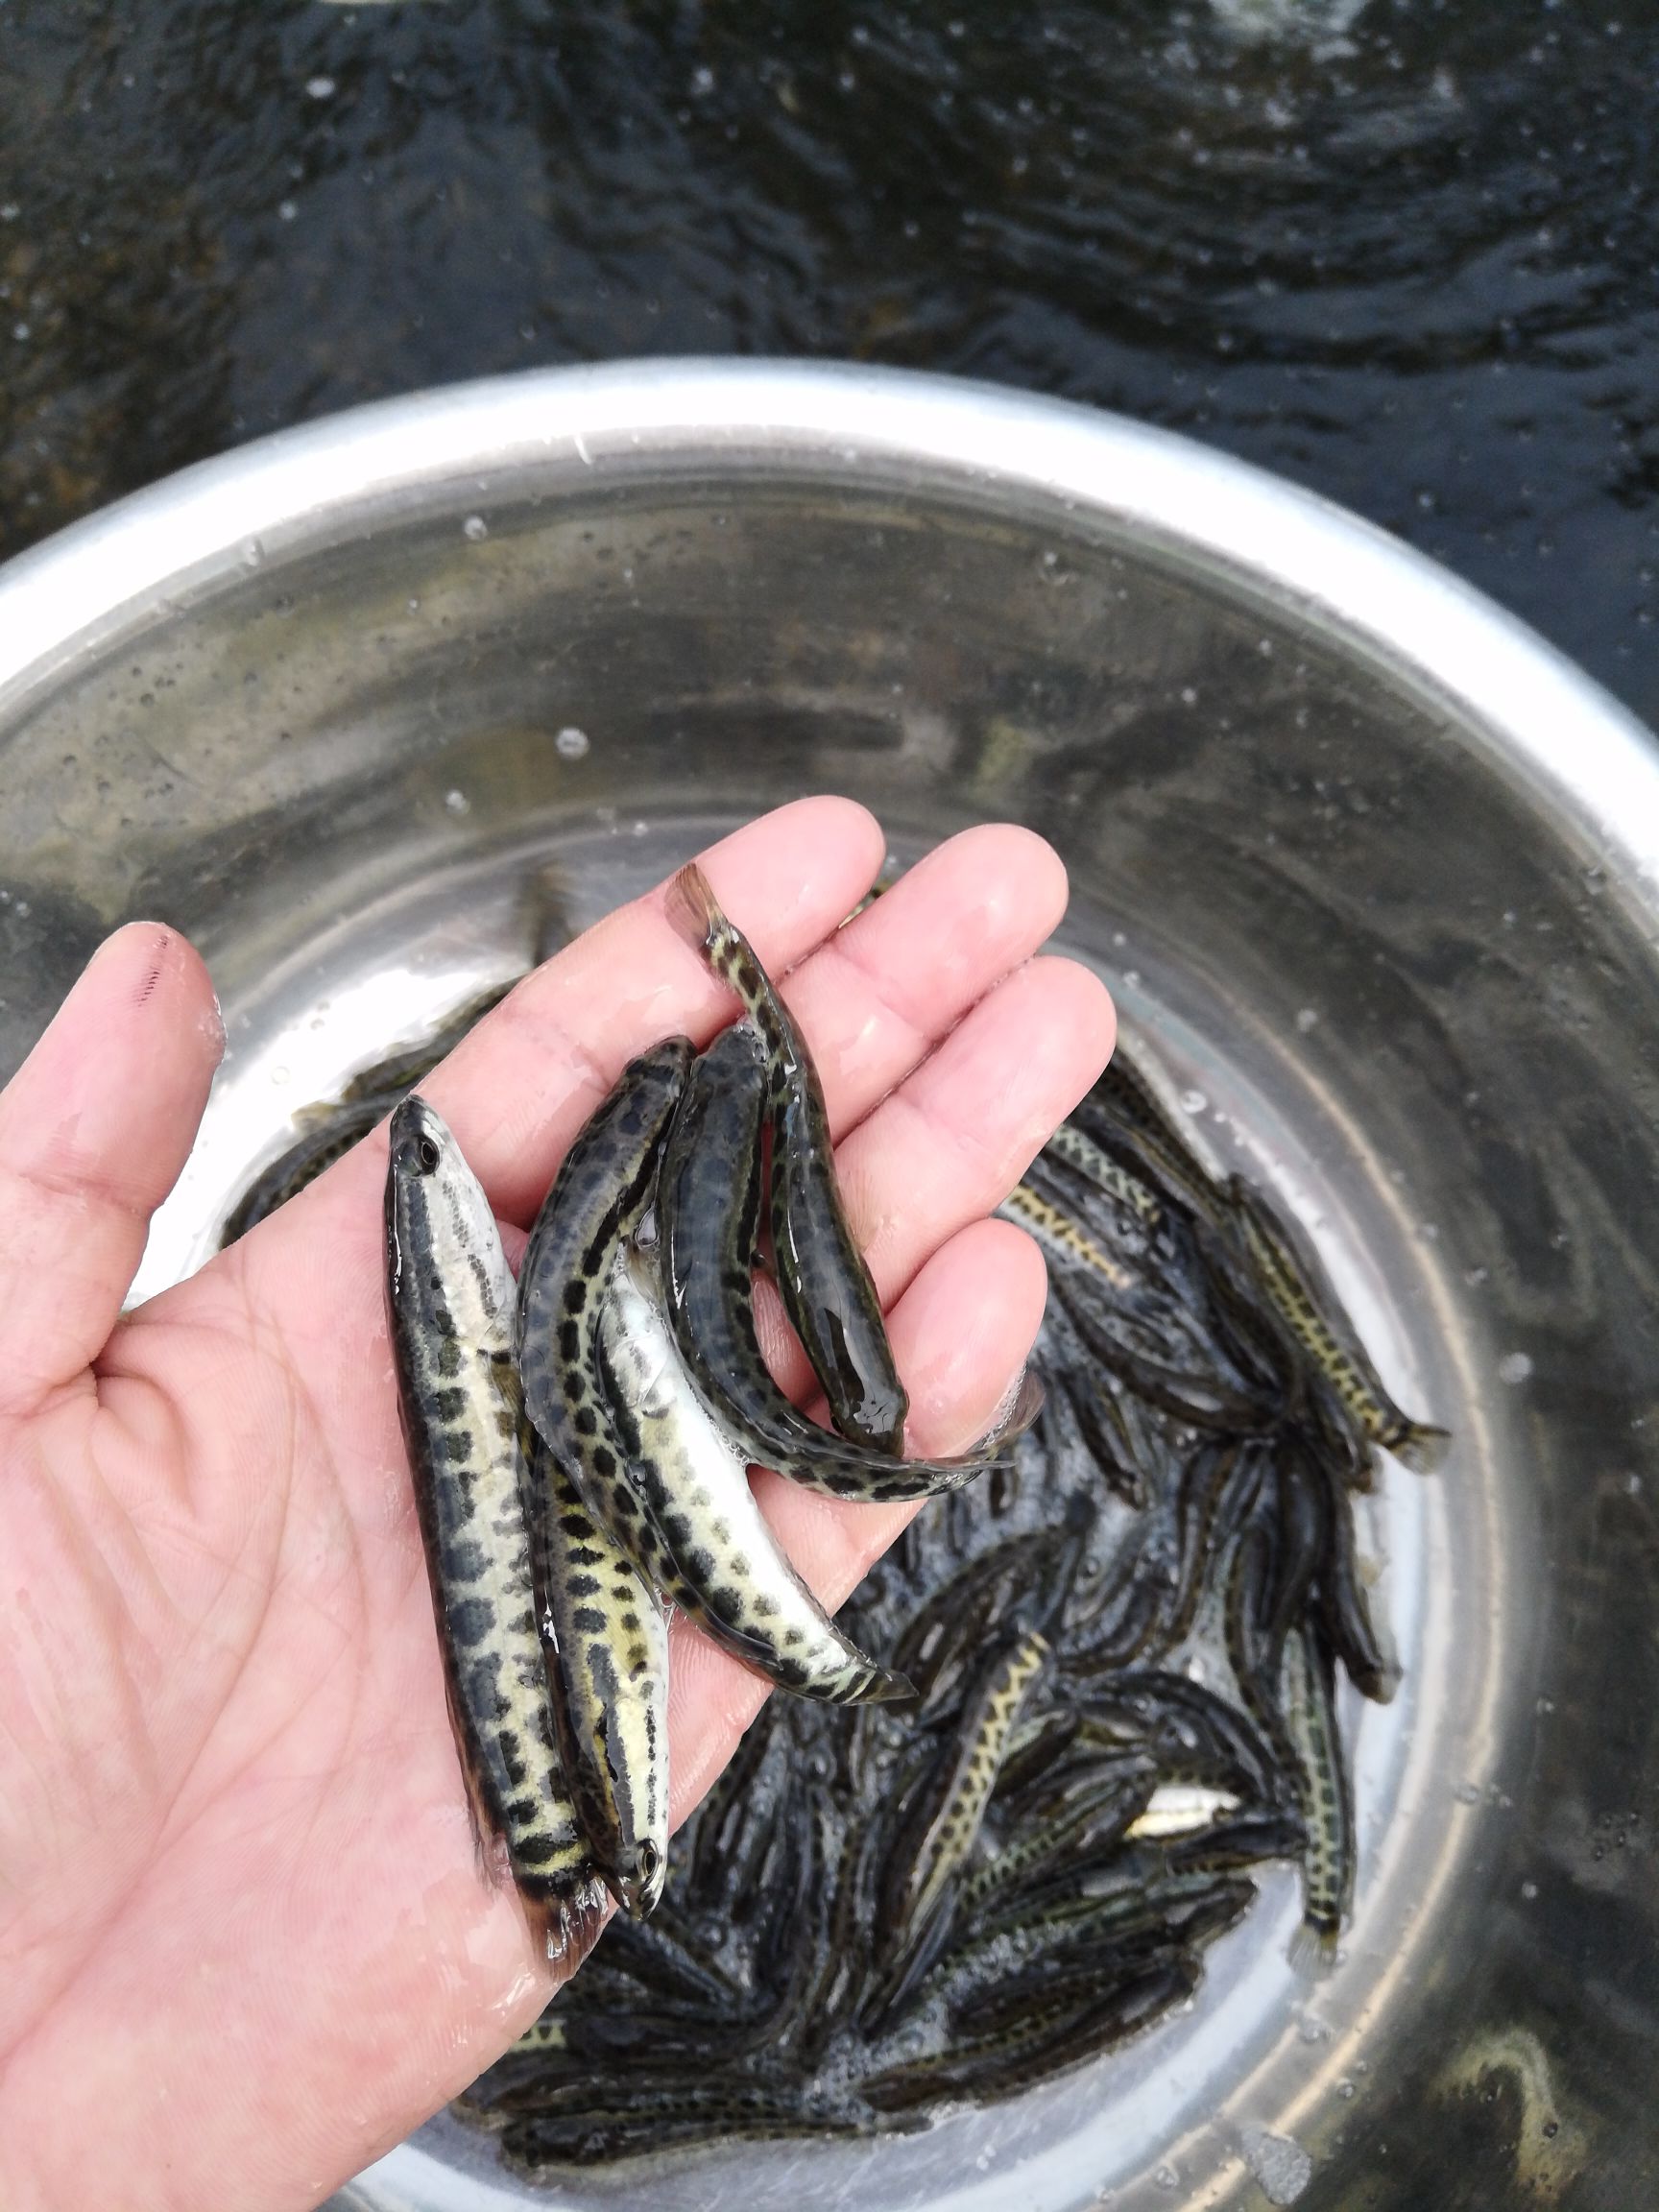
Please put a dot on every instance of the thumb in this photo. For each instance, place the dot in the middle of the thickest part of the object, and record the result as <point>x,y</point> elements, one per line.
<point>94,1128</point>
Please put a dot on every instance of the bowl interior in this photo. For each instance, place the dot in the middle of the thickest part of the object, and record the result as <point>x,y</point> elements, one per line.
<point>1385,977</point>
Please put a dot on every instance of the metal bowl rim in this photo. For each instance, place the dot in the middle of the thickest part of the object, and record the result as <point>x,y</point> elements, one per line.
<point>1543,722</point>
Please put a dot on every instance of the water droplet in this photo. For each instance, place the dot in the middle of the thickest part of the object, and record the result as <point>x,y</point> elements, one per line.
<point>1194,1101</point>
<point>21,909</point>
<point>474,529</point>
<point>1307,1018</point>
<point>21,331</point>
<point>253,553</point>
<point>1167,2178</point>
<point>286,211</point>
<point>1189,697</point>
<point>457,802</point>
<point>319,87</point>
<point>414,606</point>
<point>1514,1367</point>
<point>278,1075</point>
<point>1529,1891</point>
<point>1475,1277</point>
<point>1467,1793</point>
<point>572,743</point>
<point>702,82</point>
<point>1633,1486</point>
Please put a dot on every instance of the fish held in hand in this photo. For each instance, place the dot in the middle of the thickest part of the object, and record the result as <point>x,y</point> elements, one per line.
<point>450,1302</point>
<point>709,1226</point>
<point>730,1572</point>
<point>608,1673</point>
<point>827,1290</point>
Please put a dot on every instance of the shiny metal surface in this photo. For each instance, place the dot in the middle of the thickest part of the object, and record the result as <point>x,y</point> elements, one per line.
<point>1375,875</point>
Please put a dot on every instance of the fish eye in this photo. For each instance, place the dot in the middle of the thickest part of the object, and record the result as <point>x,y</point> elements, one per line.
<point>425,1155</point>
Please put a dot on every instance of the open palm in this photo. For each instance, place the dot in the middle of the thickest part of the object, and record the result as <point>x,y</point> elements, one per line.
<point>245,1938</point>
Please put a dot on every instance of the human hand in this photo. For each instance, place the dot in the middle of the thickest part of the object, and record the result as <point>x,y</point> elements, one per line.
<point>247,1944</point>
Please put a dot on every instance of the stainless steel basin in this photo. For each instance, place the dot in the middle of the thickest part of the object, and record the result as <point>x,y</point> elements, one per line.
<point>1372,870</point>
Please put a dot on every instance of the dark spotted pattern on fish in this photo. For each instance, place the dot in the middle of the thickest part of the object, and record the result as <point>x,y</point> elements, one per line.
<point>698,1522</point>
<point>450,1300</point>
<point>1350,1374</point>
<point>1326,1794</point>
<point>1079,1151</point>
<point>608,1673</point>
<point>613,1675</point>
<point>827,1288</point>
<point>708,1225</point>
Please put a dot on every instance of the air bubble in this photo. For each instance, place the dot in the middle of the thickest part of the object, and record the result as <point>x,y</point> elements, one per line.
<point>457,802</point>
<point>1194,1101</point>
<point>475,529</point>
<point>1307,1018</point>
<point>572,743</point>
<point>1514,1367</point>
<point>252,554</point>
<point>319,87</point>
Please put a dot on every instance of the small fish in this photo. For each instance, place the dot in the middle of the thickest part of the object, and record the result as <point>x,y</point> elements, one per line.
<point>329,1131</point>
<point>334,1133</point>
<point>602,2122</point>
<point>945,1820</point>
<point>1345,1611</point>
<point>1113,1800</point>
<point>1061,1237</point>
<point>1179,1809</point>
<point>1288,1279</point>
<point>449,1303</point>
<point>1309,1697</point>
<point>600,1195</point>
<point>608,1672</point>
<point>704,1536</point>
<point>707,1224</point>
<point>828,1293</point>
<point>1080,1153</point>
<point>1051,2041</point>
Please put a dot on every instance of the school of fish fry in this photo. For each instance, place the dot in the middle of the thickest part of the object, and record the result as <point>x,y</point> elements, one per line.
<point>1092,1687</point>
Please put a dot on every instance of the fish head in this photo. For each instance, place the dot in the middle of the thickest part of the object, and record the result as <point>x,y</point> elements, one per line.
<point>439,1218</point>
<point>420,1138</point>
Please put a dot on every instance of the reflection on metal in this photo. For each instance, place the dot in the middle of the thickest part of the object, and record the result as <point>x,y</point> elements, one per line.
<point>1550,2151</point>
<point>1406,819</point>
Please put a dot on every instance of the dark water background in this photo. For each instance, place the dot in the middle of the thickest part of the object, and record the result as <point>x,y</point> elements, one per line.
<point>1410,258</point>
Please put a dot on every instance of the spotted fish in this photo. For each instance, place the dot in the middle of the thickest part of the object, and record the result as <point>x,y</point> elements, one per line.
<point>1308,1692</point>
<point>1058,1233</point>
<point>708,1221</point>
<point>827,1288</point>
<point>599,1197</point>
<point>1080,1153</point>
<point>953,1808</point>
<point>609,1677</point>
<point>705,1533</point>
<point>1286,1275</point>
<point>450,1301</point>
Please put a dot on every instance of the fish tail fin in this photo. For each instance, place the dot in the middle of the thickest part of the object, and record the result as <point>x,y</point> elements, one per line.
<point>884,1686</point>
<point>1313,1947</point>
<point>1018,1411</point>
<point>1422,1447</point>
<point>693,910</point>
<point>567,1928</point>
